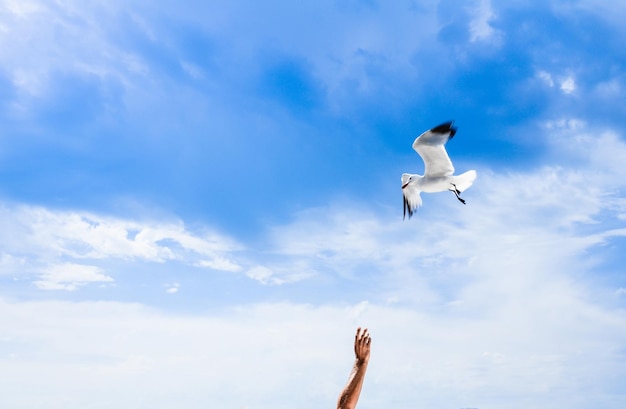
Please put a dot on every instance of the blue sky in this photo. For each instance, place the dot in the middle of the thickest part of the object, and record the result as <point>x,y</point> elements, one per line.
<point>200,201</point>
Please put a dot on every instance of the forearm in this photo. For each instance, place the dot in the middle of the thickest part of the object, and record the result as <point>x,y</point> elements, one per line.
<point>350,394</point>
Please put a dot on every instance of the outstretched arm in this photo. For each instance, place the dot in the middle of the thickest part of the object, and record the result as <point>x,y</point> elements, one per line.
<point>350,394</point>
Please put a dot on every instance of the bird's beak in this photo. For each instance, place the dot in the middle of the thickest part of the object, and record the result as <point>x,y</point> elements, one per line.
<point>405,185</point>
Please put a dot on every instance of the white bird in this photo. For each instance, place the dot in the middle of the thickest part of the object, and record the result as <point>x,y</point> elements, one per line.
<point>438,169</point>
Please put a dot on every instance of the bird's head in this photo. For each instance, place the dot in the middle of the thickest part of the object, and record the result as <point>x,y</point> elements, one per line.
<point>407,178</point>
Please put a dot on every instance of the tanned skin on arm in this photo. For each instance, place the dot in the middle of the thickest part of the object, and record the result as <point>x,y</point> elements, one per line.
<point>350,394</point>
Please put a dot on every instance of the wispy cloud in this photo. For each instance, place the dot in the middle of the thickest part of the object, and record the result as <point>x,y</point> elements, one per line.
<point>70,276</point>
<point>172,288</point>
<point>57,245</point>
<point>480,27</point>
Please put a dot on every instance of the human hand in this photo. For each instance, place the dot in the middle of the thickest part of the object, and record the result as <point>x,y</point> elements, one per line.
<point>362,341</point>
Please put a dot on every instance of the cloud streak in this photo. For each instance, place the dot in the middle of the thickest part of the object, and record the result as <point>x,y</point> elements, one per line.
<point>58,245</point>
<point>70,276</point>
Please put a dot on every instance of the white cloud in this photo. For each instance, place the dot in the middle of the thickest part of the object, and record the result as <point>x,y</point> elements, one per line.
<point>10,264</point>
<point>70,276</point>
<point>40,239</point>
<point>41,41</point>
<point>262,274</point>
<point>599,149</point>
<point>22,8</point>
<point>172,288</point>
<point>281,272</point>
<point>610,89</point>
<point>219,263</point>
<point>193,70</point>
<point>480,27</point>
<point>568,85</point>
<point>566,124</point>
<point>546,77</point>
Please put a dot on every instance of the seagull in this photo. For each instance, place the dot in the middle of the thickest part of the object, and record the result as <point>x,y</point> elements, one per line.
<point>438,169</point>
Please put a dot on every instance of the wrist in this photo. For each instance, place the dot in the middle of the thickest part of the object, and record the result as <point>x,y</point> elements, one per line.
<point>361,361</point>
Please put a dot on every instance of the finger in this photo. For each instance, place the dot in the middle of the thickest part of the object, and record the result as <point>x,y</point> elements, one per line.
<point>364,335</point>
<point>361,342</point>
<point>366,339</point>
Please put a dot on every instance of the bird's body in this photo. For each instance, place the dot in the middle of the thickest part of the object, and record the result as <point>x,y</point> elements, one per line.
<point>438,170</point>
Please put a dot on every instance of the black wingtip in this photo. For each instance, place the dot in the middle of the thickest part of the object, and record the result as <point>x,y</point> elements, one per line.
<point>407,208</point>
<point>445,127</point>
<point>403,207</point>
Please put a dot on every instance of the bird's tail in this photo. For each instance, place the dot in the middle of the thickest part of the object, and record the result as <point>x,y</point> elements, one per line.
<point>464,180</point>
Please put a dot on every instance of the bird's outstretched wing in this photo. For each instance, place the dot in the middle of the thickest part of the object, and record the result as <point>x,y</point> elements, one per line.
<point>412,200</point>
<point>430,146</point>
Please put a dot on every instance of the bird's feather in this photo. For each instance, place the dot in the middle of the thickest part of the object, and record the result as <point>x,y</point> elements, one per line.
<point>430,146</point>
<point>412,200</point>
